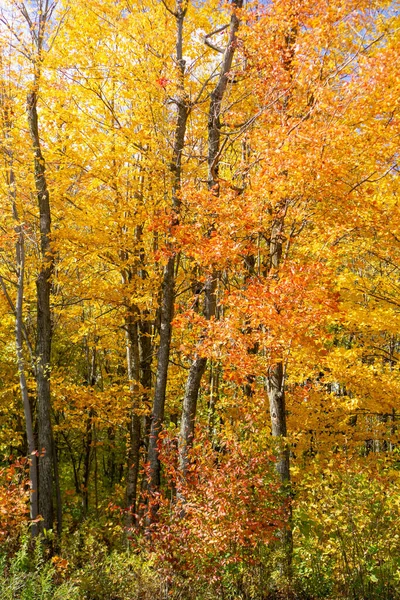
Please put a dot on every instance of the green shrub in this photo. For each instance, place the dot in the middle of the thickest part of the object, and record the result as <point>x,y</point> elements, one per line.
<point>346,524</point>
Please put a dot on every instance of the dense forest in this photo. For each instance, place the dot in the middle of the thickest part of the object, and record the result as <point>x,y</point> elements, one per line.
<point>200,299</point>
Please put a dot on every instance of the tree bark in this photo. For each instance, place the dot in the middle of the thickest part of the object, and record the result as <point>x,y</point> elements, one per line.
<point>276,396</point>
<point>146,357</point>
<point>199,363</point>
<point>168,285</point>
<point>44,325</point>
<point>19,325</point>
<point>217,95</point>
<point>157,417</point>
<point>132,359</point>
<point>32,451</point>
<point>275,378</point>
<point>192,387</point>
<point>87,460</point>
<point>275,386</point>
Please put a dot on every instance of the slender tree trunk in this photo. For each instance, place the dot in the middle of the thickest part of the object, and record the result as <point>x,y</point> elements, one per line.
<point>168,285</point>
<point>192,388</point>
<point>19,326</point>
<point>44,326</point>
<point>217,95</point>
<point>146,358</point>
<point>86,463</point>
<point>132,357</point>
<point>189,408</point>
<point>88,451</point>
<point>198,365</point>
<point>276,396</point>
<point>33,476</point>
<point>275,385</point>
<point>275,379</point>
<point>157,417</point>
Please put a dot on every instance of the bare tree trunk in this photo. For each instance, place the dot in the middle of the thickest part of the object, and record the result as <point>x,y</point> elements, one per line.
<point>275,386</point>
<point>132,358</point>
<point>44,326</point>
<point>275,380</point>
<point>146,356</point>
<point>146,359</point>
<point>168,285</point>
<point>20,253</point>
<point>198,365</point>
<point>217,95</point>
<point>276,396</point>
<point>87,462</point>
<point>88,450</point>
<point>19,325</point>
<point>157,417</point>
<point>192,388</point>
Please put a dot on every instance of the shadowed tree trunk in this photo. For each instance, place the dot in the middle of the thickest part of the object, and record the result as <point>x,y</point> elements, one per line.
<point>20,332</point>
<point>132,357</point>
<point>44,326</point>
<point>47,464</point>
<point>88,454</point>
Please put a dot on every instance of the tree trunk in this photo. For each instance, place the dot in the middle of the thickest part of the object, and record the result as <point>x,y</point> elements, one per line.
<point>275,379</point>
<point>32,452</point>
<point>19,325</point>
<point>90,380</point>
<point>146,358</point>
<point>276,396</point>
<point>157,417</point>
<point>275,385</point>
<point>192,388</point>
<point>217,95</point>
<point>168,285</point>
<point>44,326</point>
<point>198,365</point>
<point>132,359</point>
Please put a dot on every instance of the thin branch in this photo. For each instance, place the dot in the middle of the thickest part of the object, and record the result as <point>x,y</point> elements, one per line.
<point>210,44</point>
<point>173,13</point>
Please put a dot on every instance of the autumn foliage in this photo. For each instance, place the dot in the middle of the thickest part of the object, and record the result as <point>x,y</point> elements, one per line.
<point>224,512</point>
<point>14,495</point>
<point>199,309</point>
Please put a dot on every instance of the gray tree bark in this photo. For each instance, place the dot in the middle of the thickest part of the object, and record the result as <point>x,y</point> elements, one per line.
<point>275,378</point>
<point>19,323</point>
<point>32,451</point>
<point>192,387</point>
<point>199,363</point>
<point>44,326</point>
<point>168,285</point>
<point>133,362</point>
<point>88,451</point>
